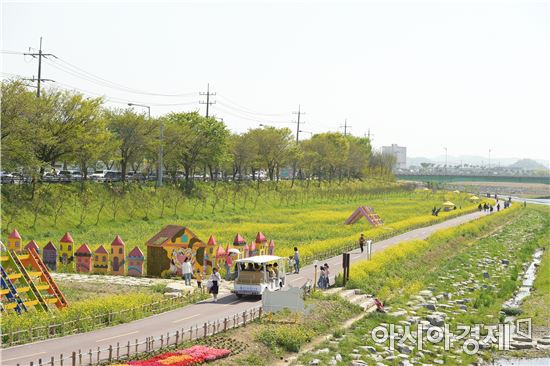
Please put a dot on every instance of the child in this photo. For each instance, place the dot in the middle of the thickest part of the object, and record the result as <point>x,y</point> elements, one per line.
<point>199,278</point>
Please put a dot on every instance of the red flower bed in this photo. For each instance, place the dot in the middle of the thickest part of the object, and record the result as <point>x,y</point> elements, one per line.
<point>186,357</point>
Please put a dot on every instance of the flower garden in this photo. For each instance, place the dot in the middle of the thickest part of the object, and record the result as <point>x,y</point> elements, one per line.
<point>194,355</point>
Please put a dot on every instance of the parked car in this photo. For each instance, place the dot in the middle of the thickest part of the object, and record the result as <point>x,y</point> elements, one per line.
<point>111,176</point>
<point>65,176</point>
<point>50,178</point>
<point>77,176</point>
<point>7,178</point>
<point>97,175</point>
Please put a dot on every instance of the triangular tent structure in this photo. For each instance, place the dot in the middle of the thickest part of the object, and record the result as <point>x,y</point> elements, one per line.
<point>368,213</point>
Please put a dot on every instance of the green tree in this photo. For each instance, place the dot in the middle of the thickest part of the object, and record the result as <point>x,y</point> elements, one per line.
<point>325,155</point>
<point>194,141</point>
<point>135,134</point>
<point>271,147</point>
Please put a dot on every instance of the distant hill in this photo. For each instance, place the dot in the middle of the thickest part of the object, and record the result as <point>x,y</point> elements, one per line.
<point>480,160</point>
<point>528,164</point>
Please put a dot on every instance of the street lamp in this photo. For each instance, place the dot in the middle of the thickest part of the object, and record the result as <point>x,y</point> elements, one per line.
<point>315,264</point>
<point>445,162</point>
<point>310,133</point>
<point>159,172</point>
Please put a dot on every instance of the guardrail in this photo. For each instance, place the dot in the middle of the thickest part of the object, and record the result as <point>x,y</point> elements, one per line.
<point>120,352</point>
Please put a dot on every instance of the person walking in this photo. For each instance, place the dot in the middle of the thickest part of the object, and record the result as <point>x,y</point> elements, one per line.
<point>296,260</point>
<point>362,242</point>
<point>187,271</point>
<point>498,206</point>
<point>321,280</point>
<point>214,283</point>
<point>327,275</point>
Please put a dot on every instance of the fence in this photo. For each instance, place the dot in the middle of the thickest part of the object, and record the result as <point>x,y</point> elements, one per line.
<point>11,337</point>
<point>121,352</point>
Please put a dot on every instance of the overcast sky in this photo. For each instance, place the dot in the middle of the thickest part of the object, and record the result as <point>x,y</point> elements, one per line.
<point>470,76</point>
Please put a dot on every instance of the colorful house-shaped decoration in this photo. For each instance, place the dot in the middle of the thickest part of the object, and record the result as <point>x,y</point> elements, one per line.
<point>101,260</point>
<point>49,256</point>
<point>14,241</point>
<point>167,250</point>
<point>32,244</point>
<point>135,262</point>
<point>117,256</point>
<point>66,249</point>
<point>271,247</point>
<point>253,249</point>
<point>261,243</point>
<point>239,241</point>
<point>210,254</point>
<point>83,257</point>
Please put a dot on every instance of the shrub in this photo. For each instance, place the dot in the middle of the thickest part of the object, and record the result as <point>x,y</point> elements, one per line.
<point>288,337</point>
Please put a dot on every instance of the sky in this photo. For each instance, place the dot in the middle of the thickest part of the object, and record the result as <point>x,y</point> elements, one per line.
<point>466,75</point>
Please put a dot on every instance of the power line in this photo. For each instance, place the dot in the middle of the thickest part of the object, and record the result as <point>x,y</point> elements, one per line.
<point>208,102</point>
<point>299,113</point>
<point>345,127</point>
<point>40,54</point>
<point>243,109</point>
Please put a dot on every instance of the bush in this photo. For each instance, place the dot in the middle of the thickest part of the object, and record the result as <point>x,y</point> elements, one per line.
<point>288,337</point>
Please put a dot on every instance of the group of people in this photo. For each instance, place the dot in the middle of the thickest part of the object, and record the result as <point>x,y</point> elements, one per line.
<point>324,281</point>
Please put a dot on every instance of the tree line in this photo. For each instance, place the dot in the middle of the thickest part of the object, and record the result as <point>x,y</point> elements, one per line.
<point>66,127</point>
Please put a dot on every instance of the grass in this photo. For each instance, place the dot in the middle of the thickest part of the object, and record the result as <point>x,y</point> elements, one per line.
<point>92,306</point>
<point>308,217</point>
<point>536,305</point>
<point>450,261</point>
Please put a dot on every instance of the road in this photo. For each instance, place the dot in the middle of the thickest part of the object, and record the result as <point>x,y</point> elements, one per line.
<point>191,315</point>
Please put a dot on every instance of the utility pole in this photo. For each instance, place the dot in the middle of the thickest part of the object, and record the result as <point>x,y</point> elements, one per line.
<point>299,113</point>
<point>208,102</point>
<point>39,55</point>
<point>345,127</point>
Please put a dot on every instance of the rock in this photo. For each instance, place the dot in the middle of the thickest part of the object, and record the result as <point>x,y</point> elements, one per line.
<point>505,262</point>
<point>485,274</point>
<point>425,293</point>
<point>323,350</point>
<point>438,361</point>
<point>429,306</point>
<point>403,356</point>
<point>544,341</point>
<point>370,349</point>
<point>315,362</point>
<point>405,363</point>
<point>463,307</point>
<point>519,338</point>
<point>403,348</point>
<point>338,357</point>
<point>436,320</point>
<point>357,363</point>
<point>398,313</point>
<point>522,345</point>
<point>333,362</point>
<point>355,356</point>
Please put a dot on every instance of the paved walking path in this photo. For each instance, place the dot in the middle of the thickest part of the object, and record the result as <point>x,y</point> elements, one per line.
<point>192,314</point>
